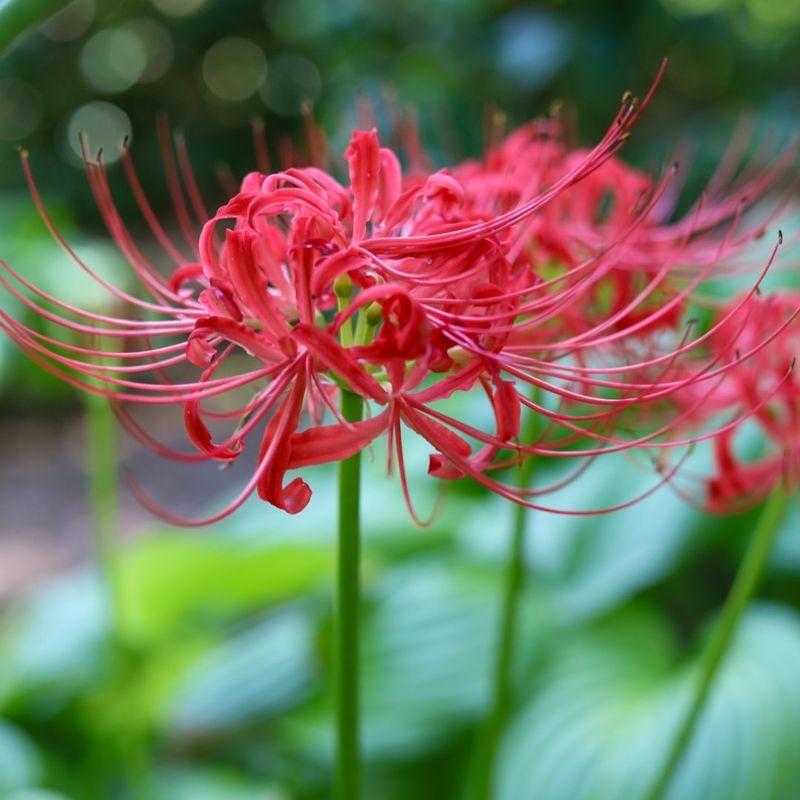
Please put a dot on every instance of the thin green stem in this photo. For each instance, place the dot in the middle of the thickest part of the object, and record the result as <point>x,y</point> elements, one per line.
<point>502,681</point>
<point>18,16</point>
<point>101,432</point>
<point>348,757</point>
<point>130,748</point>
<point>743,589</point>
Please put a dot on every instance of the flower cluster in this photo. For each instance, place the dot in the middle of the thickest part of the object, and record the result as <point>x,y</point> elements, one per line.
<point>765,390</point>
<point>548,280</point>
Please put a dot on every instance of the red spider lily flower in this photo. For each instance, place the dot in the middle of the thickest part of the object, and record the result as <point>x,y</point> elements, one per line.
<point>766,389</point>
<point>402,291</point>
<point>618,206</point>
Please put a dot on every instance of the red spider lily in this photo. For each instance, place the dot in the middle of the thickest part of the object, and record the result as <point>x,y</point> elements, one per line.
<point>580,223</point>
<point>765,388</point>
<point>404,292</point>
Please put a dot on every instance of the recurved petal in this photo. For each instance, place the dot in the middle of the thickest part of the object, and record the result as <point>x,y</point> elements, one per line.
<point>325,443</point>
<point>337,359</point>
<point>363,155</point>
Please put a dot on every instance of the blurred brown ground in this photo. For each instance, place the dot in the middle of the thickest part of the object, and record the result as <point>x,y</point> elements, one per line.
<point>44,510</point>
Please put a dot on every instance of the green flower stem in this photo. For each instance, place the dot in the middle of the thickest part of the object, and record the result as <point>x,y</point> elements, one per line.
<point>743,589</point>
<point>501,686</point>
<point>348,757</point>
<point>17,16</point>
<point>101,430</point>
<point>131,749</point>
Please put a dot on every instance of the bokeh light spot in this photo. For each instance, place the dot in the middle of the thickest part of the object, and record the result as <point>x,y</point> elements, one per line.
<point>20,109</point>
<point>113,59</point>
<point>292,80</point>
<point>532,46</point>
<point>104,125</point>
<point>179,8</point>
<point>158,46</point>
<point>234,68</point>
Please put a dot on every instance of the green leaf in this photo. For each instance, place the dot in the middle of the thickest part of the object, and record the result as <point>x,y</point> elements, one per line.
<point>261,671</point>
<point>53,643</point>
<point>428,645</point>
<point>20,763</point>
<point>786,554</point>
<point>427,655</point>
<point>211,783</point>
<point>35,794</point>
<point>591,564</point>
<point>184,580</point>
<point>598,728</point>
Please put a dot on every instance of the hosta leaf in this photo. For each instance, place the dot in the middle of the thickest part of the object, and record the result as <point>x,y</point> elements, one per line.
<point>20,763</point>
<point>178,580</point>
<point>211,783</point>
<point>428,647</point>
<point>609,705</point>
<point>54,641</point>
<point>258,672</point>
<point>427,652</point>
<point>35,794</point>
<point>786,554</point>
<point>592,564</point>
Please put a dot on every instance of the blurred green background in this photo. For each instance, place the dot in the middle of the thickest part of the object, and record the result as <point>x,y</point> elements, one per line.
<point>208,677</point>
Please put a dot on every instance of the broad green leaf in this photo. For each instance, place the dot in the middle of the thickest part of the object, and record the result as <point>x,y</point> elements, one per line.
<point>610,702</point>
<point>591,564</point>
<point>20,762</point>
<point>428,646</point>
<point>53,642</point>
<point>427,653</point>
<point>786,554</point>
<point>179,580</point>
<point>212,783</point>
<point>35,794</point>
<point>260,671</point>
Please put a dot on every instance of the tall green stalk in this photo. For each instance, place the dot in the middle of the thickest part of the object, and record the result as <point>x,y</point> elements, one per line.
<point>503,665</point>
<point>348,756</point>
<point>17,16</point>
<point>743,589</point>
<point>101,430</point>
<point>130,748</point>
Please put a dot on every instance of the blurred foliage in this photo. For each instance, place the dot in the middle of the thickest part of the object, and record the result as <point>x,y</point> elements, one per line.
<point>225,691</point>
<point>213,66</point>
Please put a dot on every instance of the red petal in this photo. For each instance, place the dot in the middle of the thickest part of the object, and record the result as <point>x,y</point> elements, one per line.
<point>326,443</point>
<point>363,154</point>
<point>200,436</point>
<point>339,361</point>
<point>506,409</point>
<point>276,449</point>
